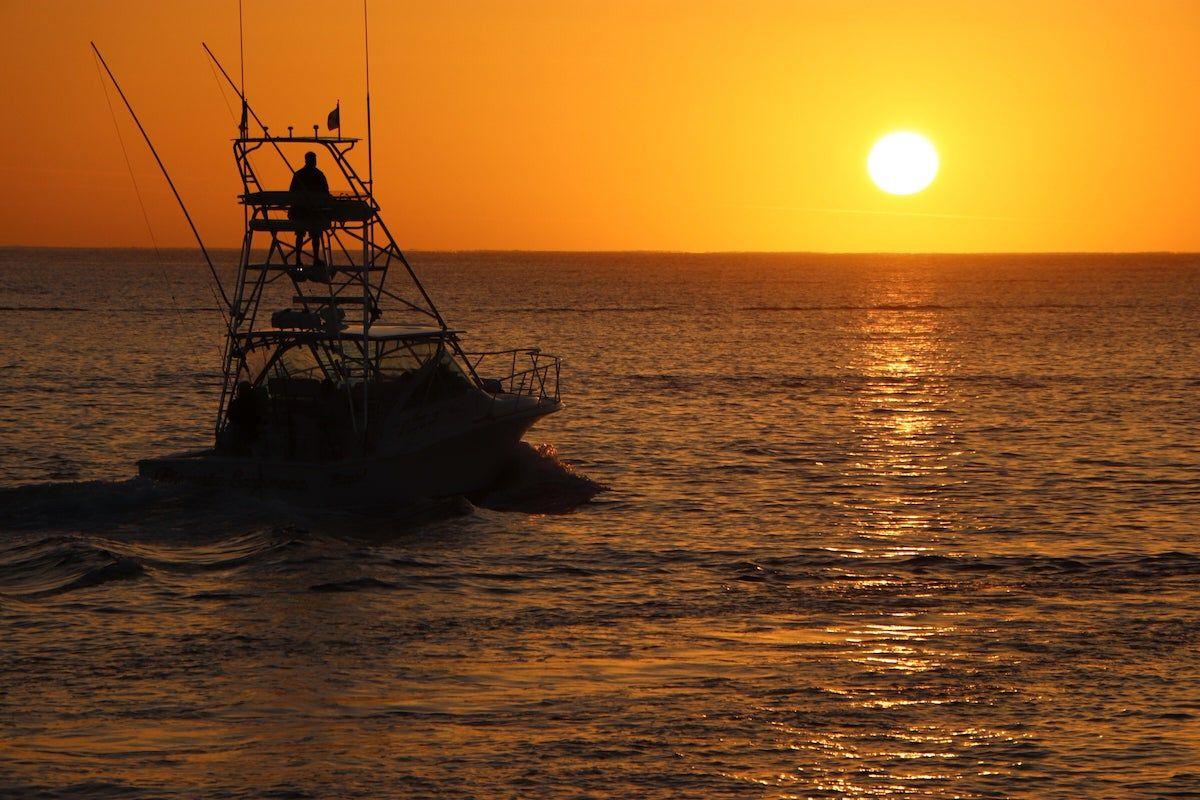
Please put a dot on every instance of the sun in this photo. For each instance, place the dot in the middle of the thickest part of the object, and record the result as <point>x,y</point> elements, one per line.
<point>903,163</point>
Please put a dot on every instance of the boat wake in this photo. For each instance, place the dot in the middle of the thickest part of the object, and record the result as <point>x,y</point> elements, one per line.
<point>66,537</point>
<point>88,505</point>
<point>60,563</point>
<point>536,482</point>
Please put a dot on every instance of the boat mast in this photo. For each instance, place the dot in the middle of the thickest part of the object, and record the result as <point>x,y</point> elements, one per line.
<point>242,122</point>
<point>367,55</point>
<point>368,234</point>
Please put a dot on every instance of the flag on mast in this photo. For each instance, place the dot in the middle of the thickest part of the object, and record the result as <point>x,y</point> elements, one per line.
<point>334,120</point>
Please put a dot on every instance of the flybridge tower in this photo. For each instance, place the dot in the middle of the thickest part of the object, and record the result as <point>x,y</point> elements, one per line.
<point>313,269</point>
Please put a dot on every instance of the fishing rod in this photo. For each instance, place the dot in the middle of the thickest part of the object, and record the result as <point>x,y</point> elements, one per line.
<point>204,250</point>
<point>247,108</point>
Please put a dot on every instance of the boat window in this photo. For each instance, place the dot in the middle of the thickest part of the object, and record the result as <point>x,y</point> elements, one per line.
<point>442,380</point>
<point>299,362</point>
<point>256,361</point>
<point>450,364</point>
<point>398,358</point>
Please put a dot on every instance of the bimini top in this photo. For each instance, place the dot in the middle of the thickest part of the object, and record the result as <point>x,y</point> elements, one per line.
<point>354,332</point>
<point>301,138</point>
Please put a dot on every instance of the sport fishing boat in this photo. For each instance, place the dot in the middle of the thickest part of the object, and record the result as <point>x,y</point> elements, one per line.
<point>342,382</point>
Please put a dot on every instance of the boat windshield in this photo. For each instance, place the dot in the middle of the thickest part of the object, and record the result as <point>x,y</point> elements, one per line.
<point>299,362</point>
<point>395,359</point>
<point>392,360</point>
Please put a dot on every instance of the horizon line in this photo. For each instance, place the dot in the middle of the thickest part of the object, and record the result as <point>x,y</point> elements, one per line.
<point>634,251</point>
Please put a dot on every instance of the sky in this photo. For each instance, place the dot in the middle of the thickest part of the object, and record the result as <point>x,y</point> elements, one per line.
<point>686,125</point>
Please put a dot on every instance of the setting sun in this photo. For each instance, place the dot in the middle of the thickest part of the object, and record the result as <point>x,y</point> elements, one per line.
<point>903,163</point>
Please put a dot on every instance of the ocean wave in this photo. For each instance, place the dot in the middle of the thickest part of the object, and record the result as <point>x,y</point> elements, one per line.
<point>669,381</point>
<point>353,585</point>
<point>583,309</point>
<point>43,308</point>
<point>60,563</point>
<point>108,310</point>
<point>944,307</point>
<point>1068,570</point>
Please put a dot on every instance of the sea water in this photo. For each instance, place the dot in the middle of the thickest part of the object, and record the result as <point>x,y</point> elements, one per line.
<point>881,526</point>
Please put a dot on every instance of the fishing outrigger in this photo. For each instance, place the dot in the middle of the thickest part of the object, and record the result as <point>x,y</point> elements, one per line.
<point>341,386</point>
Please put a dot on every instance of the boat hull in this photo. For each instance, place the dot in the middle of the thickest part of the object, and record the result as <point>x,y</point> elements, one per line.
<point>456,465</point>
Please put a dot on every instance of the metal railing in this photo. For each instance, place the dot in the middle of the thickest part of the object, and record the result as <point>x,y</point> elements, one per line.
<point>523,371</point>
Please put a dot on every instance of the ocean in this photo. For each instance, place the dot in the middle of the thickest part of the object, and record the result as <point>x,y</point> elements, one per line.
<point>873,526</point>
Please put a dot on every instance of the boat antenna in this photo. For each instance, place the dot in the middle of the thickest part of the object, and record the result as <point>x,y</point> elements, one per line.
<point>242,67</point>
<point>367,54</point>
<point>247,109</point>
<point>204,250</point>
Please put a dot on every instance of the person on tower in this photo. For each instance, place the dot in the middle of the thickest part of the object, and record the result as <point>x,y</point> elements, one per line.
<point>310,203</point>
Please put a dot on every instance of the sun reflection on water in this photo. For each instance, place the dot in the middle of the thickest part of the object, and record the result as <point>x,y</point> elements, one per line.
<point>905,420</point>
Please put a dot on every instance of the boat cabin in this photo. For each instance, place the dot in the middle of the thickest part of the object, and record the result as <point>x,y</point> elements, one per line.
<point>311,395</point>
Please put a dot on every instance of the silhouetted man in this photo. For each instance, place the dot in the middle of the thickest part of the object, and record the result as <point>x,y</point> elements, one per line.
<point>310,206</point>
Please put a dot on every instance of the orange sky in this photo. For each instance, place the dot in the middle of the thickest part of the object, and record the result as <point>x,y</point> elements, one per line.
<point>667,125</point>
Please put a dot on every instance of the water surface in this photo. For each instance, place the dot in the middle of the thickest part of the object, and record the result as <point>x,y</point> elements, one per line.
<point>877,526</point>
